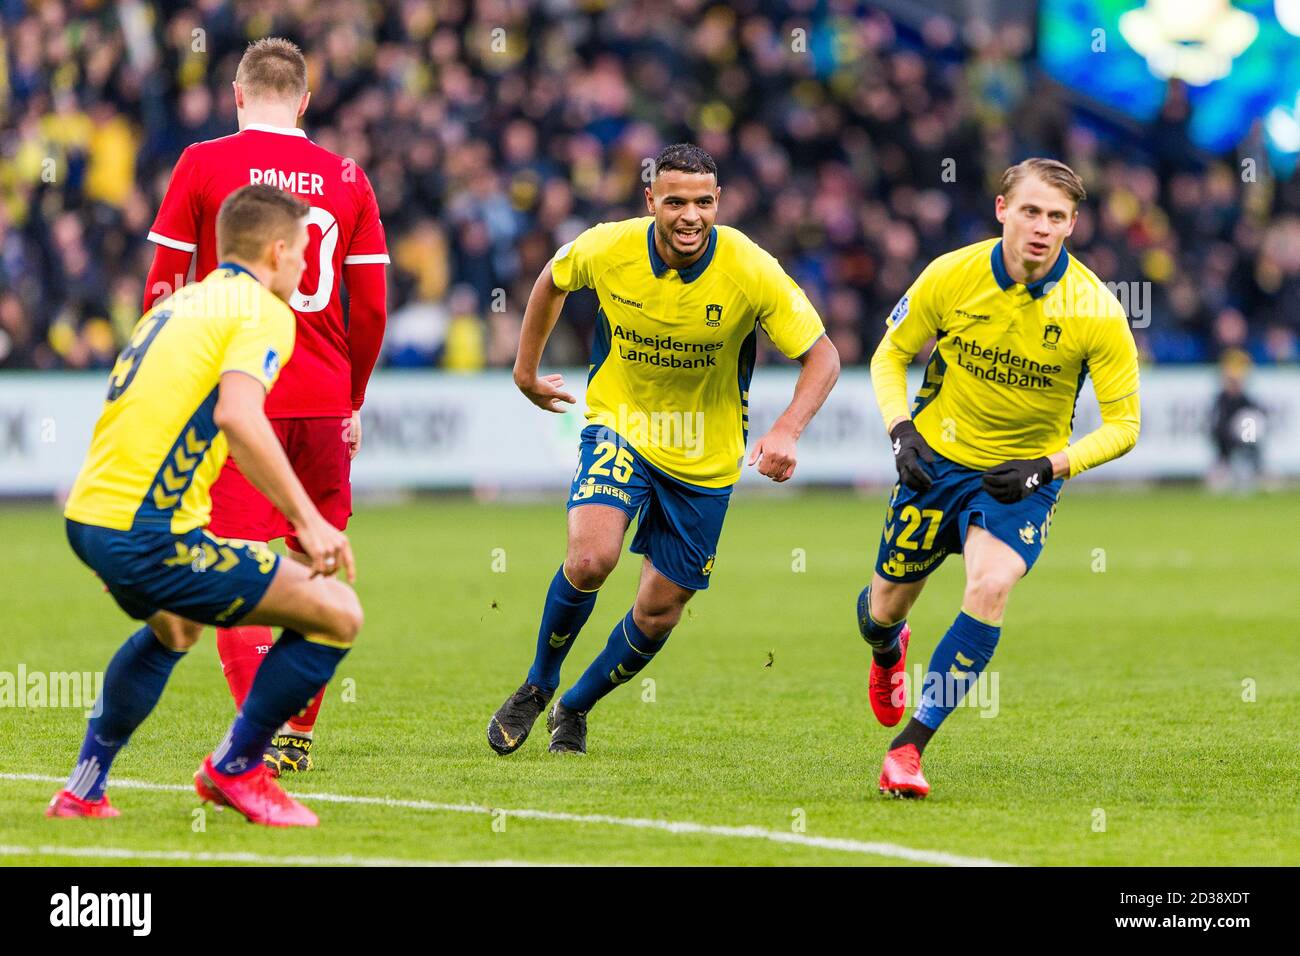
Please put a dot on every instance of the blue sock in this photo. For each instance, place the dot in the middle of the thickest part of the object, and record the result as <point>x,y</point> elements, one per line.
<point>567,609</point>
<point>955,665</point>
<point>627,651</point>
<point>133,683</point>
<point>883,638</point>
<point>292,673</point>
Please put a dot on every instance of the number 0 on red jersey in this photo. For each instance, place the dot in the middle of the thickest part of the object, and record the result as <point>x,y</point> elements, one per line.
<point>343,229</point>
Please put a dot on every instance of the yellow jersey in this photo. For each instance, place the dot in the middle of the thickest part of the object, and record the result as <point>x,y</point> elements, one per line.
<point>156,449</point>
<point>1009,360</point>
<point>674,350</point>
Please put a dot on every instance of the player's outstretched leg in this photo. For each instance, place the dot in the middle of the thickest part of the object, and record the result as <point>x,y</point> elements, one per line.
<point>321,618</point>
<point>992,569</point>
<point>887,601</point>
<point>133,683</point>
<point>595,536</point>
<point>633,643</point>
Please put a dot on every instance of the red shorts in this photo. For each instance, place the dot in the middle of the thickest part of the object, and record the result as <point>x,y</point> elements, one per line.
<point>318,451</point>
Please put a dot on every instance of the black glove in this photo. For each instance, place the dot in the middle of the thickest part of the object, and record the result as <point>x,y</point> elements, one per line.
<point>1014,481</point>
<point>909,449</point>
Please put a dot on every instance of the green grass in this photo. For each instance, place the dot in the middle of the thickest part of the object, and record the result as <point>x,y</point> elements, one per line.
<point>1120,691</point>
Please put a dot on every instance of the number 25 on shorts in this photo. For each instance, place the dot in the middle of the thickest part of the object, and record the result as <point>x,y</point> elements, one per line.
<point>606,452</point>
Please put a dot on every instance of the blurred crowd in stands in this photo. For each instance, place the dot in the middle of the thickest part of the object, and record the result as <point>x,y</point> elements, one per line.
<point>853,146</point>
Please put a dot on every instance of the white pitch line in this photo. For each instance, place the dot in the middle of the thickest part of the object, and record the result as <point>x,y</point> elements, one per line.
<point>184,856</point>
<point>893,850</point>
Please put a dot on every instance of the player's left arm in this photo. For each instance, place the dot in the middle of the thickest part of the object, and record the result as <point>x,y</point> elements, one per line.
<point>367,317</point>
<point>794,327</point>
<point>365,276</point>
<point>1113,364</point>
<point>775,451</point>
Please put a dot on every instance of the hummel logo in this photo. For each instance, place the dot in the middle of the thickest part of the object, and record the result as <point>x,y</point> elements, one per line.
<point>898,446</point>
<point>557,640</point>
<point>1031,482</point>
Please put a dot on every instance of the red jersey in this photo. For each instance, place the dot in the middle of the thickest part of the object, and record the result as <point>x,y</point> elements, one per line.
<point>343,229</point>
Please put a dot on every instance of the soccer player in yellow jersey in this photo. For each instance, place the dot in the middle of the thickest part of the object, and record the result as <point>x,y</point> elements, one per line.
<point>981,455</point>
<point>681,303</point>
<point>187,390</point>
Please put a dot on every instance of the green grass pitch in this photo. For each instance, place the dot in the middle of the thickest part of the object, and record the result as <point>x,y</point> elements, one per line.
<point>1126,731</point>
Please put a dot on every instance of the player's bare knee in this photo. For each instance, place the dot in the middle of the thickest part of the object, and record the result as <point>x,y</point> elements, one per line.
<point>176,633</point>
<point>890,603</point>
<point>588,569</point>
<point>341,615</point>
<point>351,617</point>
<point>986,594</point>
<point>656,618</point>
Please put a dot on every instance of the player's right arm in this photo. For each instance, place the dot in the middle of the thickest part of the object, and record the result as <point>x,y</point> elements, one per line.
<point>166,274</point>
<point>540,316</point>
<point>175,230</point>
<point>570,269</point>
<point>239,413</point>
<point>260,345</point>
<point>914,321</point>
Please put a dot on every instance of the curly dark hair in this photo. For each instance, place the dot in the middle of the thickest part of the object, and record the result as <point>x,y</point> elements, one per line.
<point>685,158</point>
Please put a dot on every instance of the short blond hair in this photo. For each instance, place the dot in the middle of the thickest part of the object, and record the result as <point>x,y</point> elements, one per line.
<point>273,67</point>
<point>1051,171</point>
<point>253,217</point>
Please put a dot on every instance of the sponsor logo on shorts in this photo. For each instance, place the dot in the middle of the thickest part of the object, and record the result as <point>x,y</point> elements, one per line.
<point>589,488</point>
<point>898,565</point>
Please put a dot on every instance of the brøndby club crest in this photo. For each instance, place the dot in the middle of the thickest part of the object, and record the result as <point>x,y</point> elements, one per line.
<point>713,315</point>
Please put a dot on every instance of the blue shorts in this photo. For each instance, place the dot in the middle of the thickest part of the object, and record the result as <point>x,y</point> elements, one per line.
<point>196,575</point>
<point>678,525</point>
<point>924,527</point>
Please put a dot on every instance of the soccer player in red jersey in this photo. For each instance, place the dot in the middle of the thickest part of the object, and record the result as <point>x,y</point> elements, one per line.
<point>315,408</point>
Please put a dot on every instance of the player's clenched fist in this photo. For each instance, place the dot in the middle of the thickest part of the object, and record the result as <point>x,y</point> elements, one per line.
<point>910,449</point>
<point>546,392</point>
<point>775,454</point>
<point>1014,481</point>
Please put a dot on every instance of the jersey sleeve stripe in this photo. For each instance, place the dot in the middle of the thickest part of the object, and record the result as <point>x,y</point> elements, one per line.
<point>172,243</point>
<point>363,260</point>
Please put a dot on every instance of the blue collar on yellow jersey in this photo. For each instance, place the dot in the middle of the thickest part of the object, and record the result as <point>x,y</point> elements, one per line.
<point>1036,289</point>
<point>691,272</point>
<point>233,267</point>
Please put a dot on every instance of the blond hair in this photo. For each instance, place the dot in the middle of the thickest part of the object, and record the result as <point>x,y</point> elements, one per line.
<point>1051,171</point>
<point>273,67</point>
